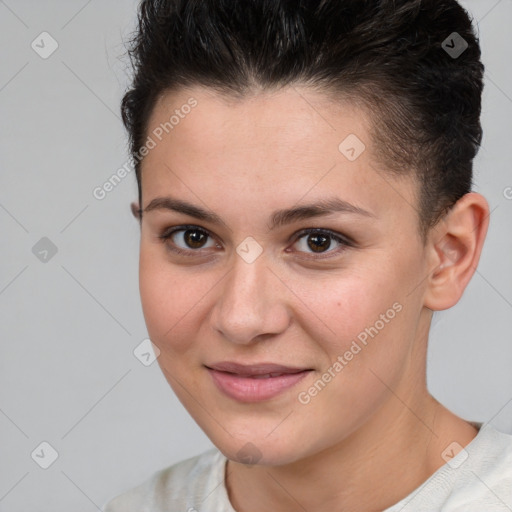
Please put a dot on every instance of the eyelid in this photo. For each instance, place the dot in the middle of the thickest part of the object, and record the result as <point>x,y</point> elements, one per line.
<point>340,237</point>
<point>167,234</point>
<point>344,240</point>
<point>345,243</point>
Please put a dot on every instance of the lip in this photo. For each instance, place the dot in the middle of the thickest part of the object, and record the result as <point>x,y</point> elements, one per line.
<point>255,382</point>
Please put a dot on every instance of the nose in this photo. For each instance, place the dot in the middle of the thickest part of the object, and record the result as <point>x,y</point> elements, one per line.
<point>251,304</point>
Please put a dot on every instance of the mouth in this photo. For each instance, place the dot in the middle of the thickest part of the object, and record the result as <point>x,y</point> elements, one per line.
<point>256,382</point>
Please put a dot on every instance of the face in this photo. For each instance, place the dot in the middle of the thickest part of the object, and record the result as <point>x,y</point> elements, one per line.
<point>232,282</point>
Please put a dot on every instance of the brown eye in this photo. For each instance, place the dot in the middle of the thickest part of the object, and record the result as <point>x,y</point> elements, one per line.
<point>320,241</point>
<point>187,238</point>
<point>194,238</point>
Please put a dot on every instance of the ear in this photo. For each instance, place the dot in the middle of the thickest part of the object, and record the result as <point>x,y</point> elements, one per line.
<point>136,211</point>
<point>455,244</point>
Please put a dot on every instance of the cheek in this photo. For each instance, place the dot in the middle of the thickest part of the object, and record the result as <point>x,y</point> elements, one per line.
<point>173,301</point>
<point>163,298</point>
<point>341,308</point>
<point>381,317</point>
<point>365,318</point>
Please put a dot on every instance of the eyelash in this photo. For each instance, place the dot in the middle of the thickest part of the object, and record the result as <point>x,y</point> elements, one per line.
<point>345,241</point>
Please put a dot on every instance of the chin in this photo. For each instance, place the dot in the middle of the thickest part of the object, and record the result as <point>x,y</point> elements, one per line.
<point>259,451</point>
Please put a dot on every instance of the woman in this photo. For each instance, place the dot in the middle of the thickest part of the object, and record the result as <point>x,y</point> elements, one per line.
<point>305,204</point>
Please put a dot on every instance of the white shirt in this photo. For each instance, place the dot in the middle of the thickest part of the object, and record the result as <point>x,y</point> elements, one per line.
<point>477,479</point>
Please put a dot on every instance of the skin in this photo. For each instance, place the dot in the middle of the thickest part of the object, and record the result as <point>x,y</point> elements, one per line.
<point>374,426</point>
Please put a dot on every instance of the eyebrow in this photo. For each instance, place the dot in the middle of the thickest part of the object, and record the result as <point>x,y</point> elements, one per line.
<point>277,219</point>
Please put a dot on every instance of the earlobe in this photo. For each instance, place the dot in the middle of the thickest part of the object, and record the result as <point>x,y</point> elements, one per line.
<point>456,245</point>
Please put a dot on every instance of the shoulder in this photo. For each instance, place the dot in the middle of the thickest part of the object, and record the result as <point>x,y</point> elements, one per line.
<point>185,484</point>
<point>478,478</point>
<point>490,463</point>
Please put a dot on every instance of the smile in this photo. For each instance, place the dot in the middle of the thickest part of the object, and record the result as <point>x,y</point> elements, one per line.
<point>254,383</point>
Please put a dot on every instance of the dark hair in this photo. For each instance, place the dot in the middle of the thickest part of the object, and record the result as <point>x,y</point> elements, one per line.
<point>388,55</point>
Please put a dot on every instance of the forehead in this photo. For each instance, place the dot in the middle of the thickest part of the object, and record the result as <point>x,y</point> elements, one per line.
<point>280,146</point>
<point>294,117</point>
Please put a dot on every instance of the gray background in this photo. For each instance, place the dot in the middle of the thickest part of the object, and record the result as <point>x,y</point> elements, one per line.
<point>69,325</point>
